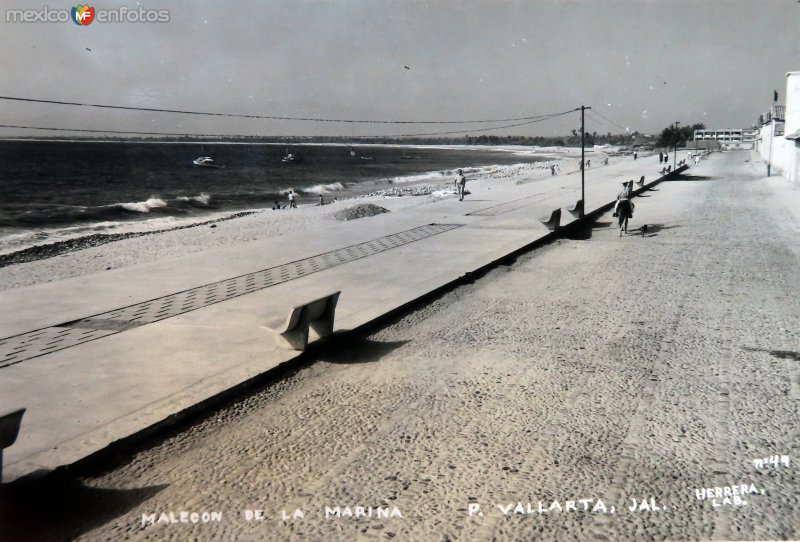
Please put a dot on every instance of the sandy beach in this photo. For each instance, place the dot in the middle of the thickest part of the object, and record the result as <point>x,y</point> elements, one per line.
<point>181,240</point>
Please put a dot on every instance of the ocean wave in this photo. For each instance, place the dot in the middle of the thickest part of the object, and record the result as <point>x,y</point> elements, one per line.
<point>81,214</point>
<point>142,206</point>
<point>319,189</point>
<point>493,171</point>
<point>202,200</point>
<point>316,189</point>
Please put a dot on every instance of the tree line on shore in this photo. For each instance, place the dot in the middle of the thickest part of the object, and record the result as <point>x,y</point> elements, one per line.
<point>669,137</point>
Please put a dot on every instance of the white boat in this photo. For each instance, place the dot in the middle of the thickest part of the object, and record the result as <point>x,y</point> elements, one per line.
<point>206,161</point>
<point>289,157</point>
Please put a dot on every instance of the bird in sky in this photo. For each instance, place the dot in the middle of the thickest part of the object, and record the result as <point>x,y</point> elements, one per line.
<point>406,67</point>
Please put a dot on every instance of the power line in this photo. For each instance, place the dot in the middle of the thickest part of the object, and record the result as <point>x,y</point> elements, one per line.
<point>184,134</point>
<point>608,119</point>
<point>267,117</point>
<point>107,131</point>
<point>548,117</point>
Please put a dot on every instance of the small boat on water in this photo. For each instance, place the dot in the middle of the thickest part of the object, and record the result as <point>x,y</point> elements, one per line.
<point>289,157</point>
<point>206,161</point>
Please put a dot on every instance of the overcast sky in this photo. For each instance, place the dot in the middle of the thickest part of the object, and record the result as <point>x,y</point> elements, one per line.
<point>643,64</point>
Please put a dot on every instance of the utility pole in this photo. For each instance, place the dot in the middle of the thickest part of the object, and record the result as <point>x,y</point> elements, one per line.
<point>675,148</point>
<point>583,161</point>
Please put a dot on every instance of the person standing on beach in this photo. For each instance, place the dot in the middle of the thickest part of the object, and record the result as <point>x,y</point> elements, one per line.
<point>292,205</point>
<point>461,183</point>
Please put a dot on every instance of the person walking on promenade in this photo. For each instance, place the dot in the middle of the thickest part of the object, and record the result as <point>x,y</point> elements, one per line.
<point>696,160</point>
<point>553,169</point>
<point>461,184</point>
<point>635,154</point>
<point>292,204</point>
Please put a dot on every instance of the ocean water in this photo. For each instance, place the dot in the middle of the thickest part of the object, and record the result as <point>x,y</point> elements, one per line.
<point>56,186</point>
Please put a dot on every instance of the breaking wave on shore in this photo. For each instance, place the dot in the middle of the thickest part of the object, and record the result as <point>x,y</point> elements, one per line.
<point>494,171</point>
<point>72,214</point>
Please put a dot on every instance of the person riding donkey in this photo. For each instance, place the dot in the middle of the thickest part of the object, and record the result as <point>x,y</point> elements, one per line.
<point>624,212</point>
<point>623,208</point>
<point>625,193</point>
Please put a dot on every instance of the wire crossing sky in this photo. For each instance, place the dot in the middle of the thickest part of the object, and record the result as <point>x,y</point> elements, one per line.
<point>267,117</point>
<point>640,64</point>
<point>123,132</point>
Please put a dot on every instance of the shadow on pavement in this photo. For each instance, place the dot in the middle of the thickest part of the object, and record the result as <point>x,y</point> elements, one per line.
<point>61,507</point>
<point>655,228</point>
<point>359,350</point>
<point>692,178</point>
<point>782,354</point>
<point>584,232</point>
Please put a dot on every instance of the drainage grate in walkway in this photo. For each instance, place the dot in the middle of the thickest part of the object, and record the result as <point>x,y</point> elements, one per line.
<point>37,343</point>
<point>506,207</point>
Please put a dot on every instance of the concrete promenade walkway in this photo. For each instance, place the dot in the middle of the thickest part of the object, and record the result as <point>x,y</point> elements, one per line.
<point>165,336</point>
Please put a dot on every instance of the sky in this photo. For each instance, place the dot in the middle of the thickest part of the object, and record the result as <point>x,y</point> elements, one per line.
<point>641,64</point>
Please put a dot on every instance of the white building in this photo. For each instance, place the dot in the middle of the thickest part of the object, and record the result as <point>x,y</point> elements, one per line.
<point>792,128</point>
<point>731,138</point>
<point>779,138</point>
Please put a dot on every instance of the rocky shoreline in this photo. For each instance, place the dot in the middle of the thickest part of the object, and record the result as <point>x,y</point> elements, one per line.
<point>51,250</point>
